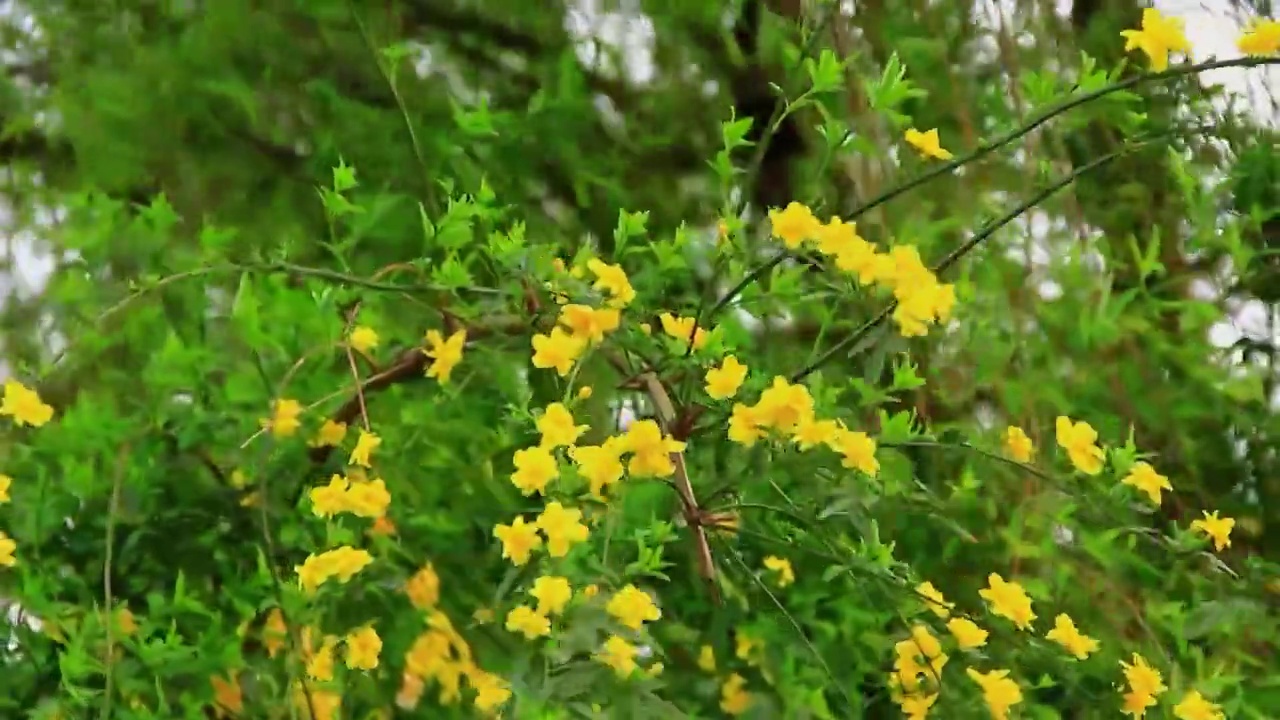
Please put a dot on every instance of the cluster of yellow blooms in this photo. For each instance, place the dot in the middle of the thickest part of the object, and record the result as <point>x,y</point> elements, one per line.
<point>786,409</point>
<point>601,466</point>
<point>1009,600</point>
<point>922,299</point>
<point>439,654</point>
<point>1080,441</point>
<point>26,408</point>
<point>735,699</point>
<point>920,659</point>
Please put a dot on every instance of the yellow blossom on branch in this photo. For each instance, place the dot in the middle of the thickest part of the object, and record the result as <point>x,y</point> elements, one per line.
<point>24,405</point>
<point>1261,38</point>
<point>1157,38</point>
<point>927,143</point>
<point>1008,600</point>
<point>1219,529</point>
<point>445,354</point>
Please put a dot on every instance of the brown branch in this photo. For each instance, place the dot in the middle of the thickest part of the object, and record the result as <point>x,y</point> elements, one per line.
<point>667,416</point>
<point>410,365</point>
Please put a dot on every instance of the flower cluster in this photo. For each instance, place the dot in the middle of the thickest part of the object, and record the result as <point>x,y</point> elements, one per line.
<point>786,410</point>
<point>921,299</point>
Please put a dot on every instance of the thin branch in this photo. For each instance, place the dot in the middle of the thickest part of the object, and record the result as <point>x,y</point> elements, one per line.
<point>982,151</point>
<point>954,257</point>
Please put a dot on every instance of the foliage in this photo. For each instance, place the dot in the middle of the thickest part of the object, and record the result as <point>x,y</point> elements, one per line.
<point>390,391</point>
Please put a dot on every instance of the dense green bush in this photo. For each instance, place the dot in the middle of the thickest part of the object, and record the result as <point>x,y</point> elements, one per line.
<point>434,451</point>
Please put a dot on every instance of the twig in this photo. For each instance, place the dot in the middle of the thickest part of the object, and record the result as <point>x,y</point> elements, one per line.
<point>113,509</point>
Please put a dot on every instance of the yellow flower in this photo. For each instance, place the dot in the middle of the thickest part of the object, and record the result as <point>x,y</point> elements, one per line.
<point>589,323</point>
<point>423,588</point>
<point>916,707</point>
<point>584,392</point>
<point>1158,37</point>
<point>1145,478</point>
<point>329,500</point>
<point>320,662</point>
<point>1064,633</point>
<point>811,432</point>
<point>684,329</point>
<point>744,425</point>
<point>316,704</point>
<point>633,607</point>
<point>535,467</point>
<point>368,499</point>
<point>491,691</point>
<point>227,697</point>
<point>563,528</point>
<point>723,382</point>
<point>1142,678</point>
<point>1217,528</point>
<point>1194,706</point>
<point>330,434</point>
<point>284,418</point>
<point>7,549</point>
<point>934,599</point>
<point>342,563</point>
<point>1145,685</point>
<point>967,633</point>
<point>363,339</point>
<point>410,693</point>
<point>559,350</point>
<point>552,593</point>
<point>125,621</point>
<point>651,452</point>
<point>366,443</point>
<point>24,405</point>
<point>794,224</point>
<point>1080,441</point>
<point>613,280</point>
<point>1008,600</point>
<point>999,692</point>
<point>707,659</point>
<point>601,464</point>
<point>5,482</point>
<point>529,622</point>
<point>618,654</point>
<point>445,354</point>
<point>274,632</point>
<point>557,428</point>
<point>1136,704</point>
<point>734,698</point>
<point>1262,38</point>
<point>783,405</point>
<point>838,238</point>
<point>858,449</point>
<point>782,567</point>
<point>363,647</point>
<point>519,540</point>
<point>928,143</point>
<point>1018,445</point>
